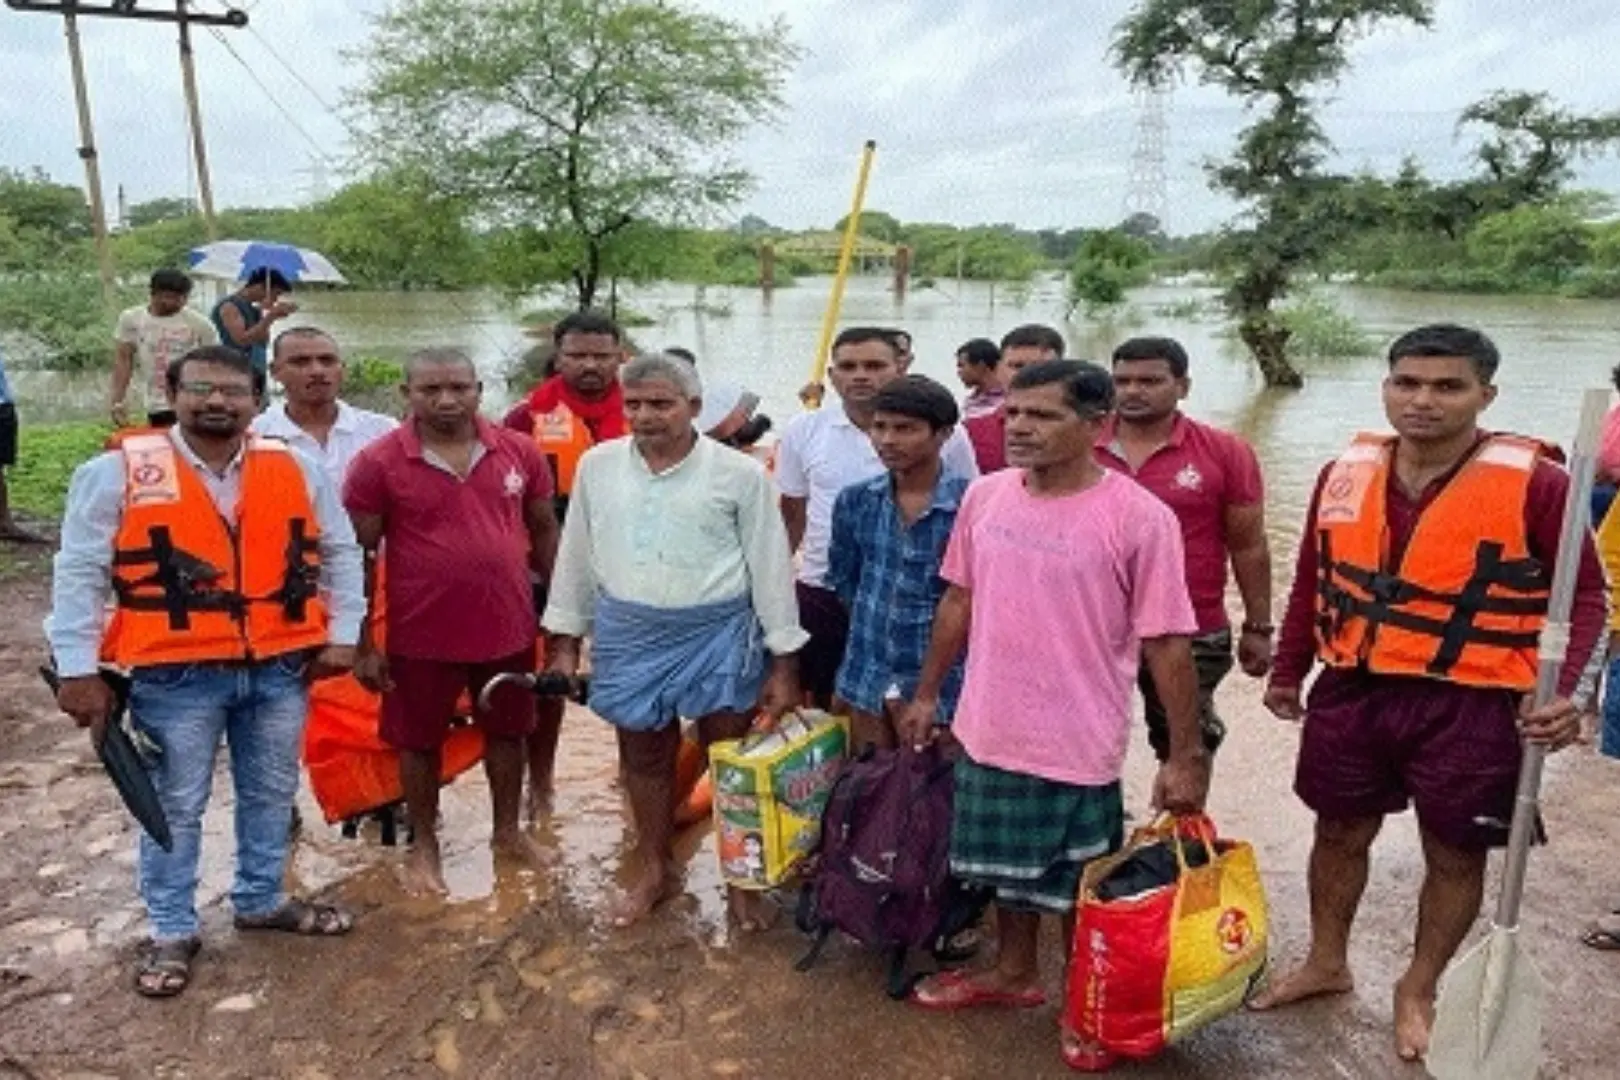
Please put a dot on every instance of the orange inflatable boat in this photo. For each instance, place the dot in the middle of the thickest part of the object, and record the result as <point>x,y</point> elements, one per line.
<point>351,770</point>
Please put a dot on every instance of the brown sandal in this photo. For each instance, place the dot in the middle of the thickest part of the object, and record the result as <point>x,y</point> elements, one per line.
<point>164,969</point>
<point>301,917</point>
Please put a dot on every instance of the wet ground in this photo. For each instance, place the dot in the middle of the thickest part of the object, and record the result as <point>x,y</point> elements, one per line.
<point>518,975</point>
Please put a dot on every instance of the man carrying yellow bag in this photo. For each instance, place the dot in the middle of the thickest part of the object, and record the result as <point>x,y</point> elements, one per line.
<point>1171,935</point>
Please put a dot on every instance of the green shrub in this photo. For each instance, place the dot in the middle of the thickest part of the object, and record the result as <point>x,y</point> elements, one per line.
<point>372,373</point>
<point>1321,331</point>
<point>63,315</point>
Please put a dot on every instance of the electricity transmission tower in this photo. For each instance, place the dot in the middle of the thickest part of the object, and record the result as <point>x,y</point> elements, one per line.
<point>318,188</point>
<point>1148,189</point>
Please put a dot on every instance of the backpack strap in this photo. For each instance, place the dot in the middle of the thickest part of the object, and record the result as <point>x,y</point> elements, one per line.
<point>809,959</point>
<point>804,912</point>
<point>900,983</point>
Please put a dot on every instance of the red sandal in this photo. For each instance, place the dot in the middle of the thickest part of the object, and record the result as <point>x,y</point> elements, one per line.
<point>952,990</point>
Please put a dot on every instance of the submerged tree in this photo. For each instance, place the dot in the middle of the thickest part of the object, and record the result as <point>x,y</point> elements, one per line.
<point>1275,56</point>
<point>582,118</point>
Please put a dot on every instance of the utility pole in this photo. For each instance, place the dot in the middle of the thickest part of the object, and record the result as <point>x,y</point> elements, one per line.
<point>71,10</point>
<point>87,154</point>
<point>188,77</point>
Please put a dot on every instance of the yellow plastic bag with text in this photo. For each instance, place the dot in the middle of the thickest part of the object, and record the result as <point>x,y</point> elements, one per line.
<point>1153,966</point>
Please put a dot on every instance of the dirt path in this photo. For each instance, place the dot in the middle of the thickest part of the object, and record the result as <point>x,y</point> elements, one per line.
<point>518,976</point>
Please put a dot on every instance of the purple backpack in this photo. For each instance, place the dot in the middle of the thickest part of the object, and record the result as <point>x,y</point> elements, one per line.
<point>883,865</point>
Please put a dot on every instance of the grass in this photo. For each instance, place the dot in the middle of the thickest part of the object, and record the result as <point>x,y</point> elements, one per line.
<point>47,454</point>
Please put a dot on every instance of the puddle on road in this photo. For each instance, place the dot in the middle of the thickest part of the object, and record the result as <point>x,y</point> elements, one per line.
<point>90,888</point>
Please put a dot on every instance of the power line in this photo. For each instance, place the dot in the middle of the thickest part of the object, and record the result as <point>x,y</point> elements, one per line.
<point>297,76</point>
<point>270,96</point>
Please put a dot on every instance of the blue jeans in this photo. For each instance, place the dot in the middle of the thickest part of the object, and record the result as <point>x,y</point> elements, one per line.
<point>1610,741</point>
<point>187,709</point>
<point>1602,498</point>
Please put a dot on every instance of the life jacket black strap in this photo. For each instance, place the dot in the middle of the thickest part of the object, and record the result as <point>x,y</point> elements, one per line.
<point>1519,576</point>
<point>1342,605</point>
<point>300,578</point>
<point>185,580</point>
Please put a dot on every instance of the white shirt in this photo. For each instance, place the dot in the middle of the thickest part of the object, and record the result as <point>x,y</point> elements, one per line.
<point>822,453</point>
<point>354,430</point>
<point>159,339</point>
<point>705,530</point>
<point>82,579</point>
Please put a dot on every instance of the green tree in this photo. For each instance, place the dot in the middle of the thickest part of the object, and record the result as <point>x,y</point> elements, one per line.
<point>1273,55</point>
<point>582,118</point>
<point>41,208</point>
<point>154,210</point>
<point>876,225</point>
<point>1529,148</point>
<point>395,231</point>
<point>1107,263</point>
<point>1534,245</point>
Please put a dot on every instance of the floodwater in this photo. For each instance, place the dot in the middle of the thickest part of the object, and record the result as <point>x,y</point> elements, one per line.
<point>1552,350</point>
<point>518,973</point>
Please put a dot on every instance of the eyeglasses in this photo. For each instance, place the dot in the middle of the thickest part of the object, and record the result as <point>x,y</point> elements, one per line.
<point>229,391</point>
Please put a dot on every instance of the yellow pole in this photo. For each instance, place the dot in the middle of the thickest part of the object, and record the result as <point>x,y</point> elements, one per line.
<point>846,251</point>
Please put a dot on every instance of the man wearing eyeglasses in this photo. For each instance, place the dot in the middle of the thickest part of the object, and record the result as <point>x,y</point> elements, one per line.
<point>235,578</point>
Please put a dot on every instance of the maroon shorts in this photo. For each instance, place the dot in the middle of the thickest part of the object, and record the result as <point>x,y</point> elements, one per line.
<point>1374,743</point>
<point>416,714</point>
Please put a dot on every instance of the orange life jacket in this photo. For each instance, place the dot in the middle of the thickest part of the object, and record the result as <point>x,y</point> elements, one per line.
<point>563,438</point>
<point>1468,600</point>
<point>190,586</point>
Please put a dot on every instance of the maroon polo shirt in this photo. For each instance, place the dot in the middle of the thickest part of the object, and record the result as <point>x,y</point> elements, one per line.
<point>1199,473</point>
<point>457,578</point>
<point>988,436</point>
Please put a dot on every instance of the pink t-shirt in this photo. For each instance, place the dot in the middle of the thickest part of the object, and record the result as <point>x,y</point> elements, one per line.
<point>1064,590</point>
<point>1608,463</point>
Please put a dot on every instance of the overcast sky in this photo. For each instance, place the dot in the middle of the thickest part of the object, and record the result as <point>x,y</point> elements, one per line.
<point>984,110</point>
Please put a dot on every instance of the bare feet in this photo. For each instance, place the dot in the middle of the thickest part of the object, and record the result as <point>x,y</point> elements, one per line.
<point>1303,984</point>
<point>523,848</point>
<point>537,805</point>
<point>422,874</point>
<point>1414,1019</point>
<point>751,909</point>
<point>638,901</point>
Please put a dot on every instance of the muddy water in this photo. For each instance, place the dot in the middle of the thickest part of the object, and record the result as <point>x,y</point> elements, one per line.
<point>518,974</point>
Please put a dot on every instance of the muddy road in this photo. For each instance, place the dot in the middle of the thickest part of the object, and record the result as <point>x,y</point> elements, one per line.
<point>518,974</point>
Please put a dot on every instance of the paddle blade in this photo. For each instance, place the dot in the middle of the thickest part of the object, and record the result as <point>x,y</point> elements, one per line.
<point>1487,1022</point>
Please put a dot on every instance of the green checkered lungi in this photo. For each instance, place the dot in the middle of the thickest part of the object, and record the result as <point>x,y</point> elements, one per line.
<point>1030,838</point>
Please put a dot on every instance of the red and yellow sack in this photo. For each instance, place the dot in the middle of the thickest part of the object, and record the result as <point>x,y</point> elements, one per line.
<point>1150,969</point>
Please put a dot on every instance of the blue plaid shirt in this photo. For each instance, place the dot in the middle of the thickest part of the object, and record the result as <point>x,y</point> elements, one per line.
<point>887,574</point>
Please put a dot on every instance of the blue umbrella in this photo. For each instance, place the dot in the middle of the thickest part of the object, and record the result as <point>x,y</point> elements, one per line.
<point>234,260</point>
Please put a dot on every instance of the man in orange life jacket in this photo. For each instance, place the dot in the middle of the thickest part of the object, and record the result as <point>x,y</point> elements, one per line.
<point>1422,587</point>
<point>235,577</point>
<point>575,408</point>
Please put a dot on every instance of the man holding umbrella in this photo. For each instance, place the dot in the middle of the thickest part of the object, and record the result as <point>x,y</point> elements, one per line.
<point>1423,588</point>
<point>235,578</point>
<point>266,271</point>
<point>246,319</point>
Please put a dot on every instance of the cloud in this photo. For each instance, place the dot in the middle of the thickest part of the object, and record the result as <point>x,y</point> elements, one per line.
<point>983,110</point>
